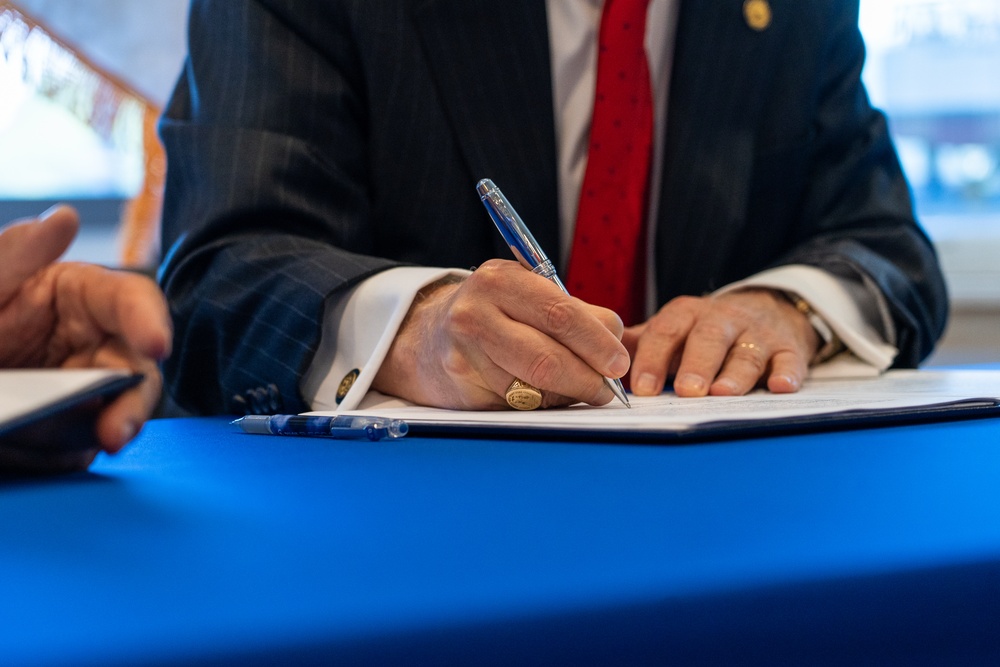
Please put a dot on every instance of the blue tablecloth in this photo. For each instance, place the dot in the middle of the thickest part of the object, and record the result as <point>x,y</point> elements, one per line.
<point>200,544</point>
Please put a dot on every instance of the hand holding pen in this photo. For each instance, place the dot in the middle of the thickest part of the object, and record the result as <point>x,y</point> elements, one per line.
<point>465,340</point>
<point>531,256</point>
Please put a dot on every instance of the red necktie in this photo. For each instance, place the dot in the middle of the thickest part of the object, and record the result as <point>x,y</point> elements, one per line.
<point>607,264</point>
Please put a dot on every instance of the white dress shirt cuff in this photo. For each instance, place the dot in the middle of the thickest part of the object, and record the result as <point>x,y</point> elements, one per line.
<point>358,330</point>
<point>835,300</point>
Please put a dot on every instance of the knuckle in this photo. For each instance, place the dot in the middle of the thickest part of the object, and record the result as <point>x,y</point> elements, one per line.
<point>544,370</point>
<point>492,265</point>
<point>756,361</point>
<point>559,317</point>
<point>461,319</point>
<point>666,327</point>
<point>608,318</point>
<point>684,302</point>
<point>714,331</point>
<point>453,363</point>
<point>733,310</point>
<point>487,276</point>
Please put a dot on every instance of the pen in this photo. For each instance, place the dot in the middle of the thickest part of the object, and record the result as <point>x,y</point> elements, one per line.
<point>526,249</point>
<point>347,427</point>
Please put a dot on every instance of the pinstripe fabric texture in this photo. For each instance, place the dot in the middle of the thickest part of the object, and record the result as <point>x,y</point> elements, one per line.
<point>312,143</point>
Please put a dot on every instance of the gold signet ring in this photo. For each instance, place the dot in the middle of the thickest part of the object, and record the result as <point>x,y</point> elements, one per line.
<point>757,14</point>
<point>522,396</point>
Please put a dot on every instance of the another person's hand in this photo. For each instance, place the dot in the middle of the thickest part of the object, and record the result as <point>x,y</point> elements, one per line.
<point>76,315</point>
<point>464,342</point>
<point>722,345</point>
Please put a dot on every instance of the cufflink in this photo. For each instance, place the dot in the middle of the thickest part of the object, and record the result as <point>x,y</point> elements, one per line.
<point>757,14</point>
<point>346,384</point>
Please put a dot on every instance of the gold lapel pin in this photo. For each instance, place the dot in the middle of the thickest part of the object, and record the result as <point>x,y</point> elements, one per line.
<point>757,14</point>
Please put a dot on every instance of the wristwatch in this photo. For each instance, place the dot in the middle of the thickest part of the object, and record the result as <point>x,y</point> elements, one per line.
<point>832,345</point>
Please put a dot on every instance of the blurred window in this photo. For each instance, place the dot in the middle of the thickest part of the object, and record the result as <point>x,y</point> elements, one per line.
<point>71,131</point>
<point>67,130</point>
<point>934,67</point>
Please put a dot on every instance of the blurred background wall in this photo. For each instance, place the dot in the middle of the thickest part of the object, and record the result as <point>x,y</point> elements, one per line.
<point>50,151</point>
<point>141,41</point>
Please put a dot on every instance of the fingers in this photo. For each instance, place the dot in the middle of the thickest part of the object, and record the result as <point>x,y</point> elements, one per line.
<point>608,318</point>
<point>749,363</point>
<point>122,420</point>
<point>96,317</point>
<point>774,346</point>
<point>462,345</point>
<point>590,332</point>
<point>94,303</point>
<point>131,308</point>
<point>114,319</point>
<point>140,315</point>
<point>659,344</point>
<point>723,346</point>
<point>29,246</point>
<point>544,362</point>
<point>556,343</point>
<point>788,372</point>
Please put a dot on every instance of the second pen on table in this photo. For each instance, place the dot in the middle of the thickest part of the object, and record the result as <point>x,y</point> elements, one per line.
<point>339,426</point>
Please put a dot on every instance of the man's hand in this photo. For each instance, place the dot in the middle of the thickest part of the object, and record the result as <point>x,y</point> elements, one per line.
<point>74,315</point>
<point>722,346</point>
<point>462,343</point>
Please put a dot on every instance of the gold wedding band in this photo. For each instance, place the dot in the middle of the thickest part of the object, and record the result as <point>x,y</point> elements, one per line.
<point>749,346</point>
<point>522,396</point>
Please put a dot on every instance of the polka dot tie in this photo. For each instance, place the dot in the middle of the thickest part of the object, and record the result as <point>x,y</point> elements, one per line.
<point>607,264</point>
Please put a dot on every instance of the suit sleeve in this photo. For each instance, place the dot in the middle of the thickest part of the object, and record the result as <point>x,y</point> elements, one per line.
<point>858,202</point>
<point>266,203</point>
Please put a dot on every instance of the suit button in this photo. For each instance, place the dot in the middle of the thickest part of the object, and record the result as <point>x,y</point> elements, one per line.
<point>239,405</point>
<point>258,401</point>
<point>275,402</point>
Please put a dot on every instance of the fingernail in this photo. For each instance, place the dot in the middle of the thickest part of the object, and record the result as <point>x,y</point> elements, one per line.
<point>726,385</point>
<point>619,365</point>
<point>606,396</point>
<point>783,383</point>
<point>127,432</point>
<point>645,385</point>
<point>690,383</point>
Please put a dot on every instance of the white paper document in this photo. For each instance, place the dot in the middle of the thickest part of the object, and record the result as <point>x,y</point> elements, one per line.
<point>901,394</point>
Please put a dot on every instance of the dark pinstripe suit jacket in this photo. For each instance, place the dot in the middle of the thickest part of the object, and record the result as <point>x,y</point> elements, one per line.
<point>312,143</point>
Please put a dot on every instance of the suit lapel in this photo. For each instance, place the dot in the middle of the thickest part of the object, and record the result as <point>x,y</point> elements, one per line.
<point>710,140</point>
<point>491,65</point>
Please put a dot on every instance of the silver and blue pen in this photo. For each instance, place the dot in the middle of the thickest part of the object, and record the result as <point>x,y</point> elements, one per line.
<point>353,427</point>
<point>526,250</point>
